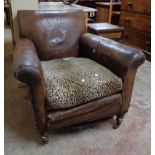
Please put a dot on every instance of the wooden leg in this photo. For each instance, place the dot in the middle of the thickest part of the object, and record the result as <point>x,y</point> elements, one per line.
<point>38,101</point>
<point>7,16</point>
<point>119,120</point>
<point>42,128</point>
<point>41,124</point>
<point>44,138</point>
<point>43,133</point>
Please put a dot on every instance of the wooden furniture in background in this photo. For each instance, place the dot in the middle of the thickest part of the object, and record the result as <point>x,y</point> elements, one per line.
<point>106,30</point>
<point>111,11</point>
<point>136,18</point>
<point>9,18</point>
<point>7,12</point>
<point>61,6</point>
<point>108,12</point>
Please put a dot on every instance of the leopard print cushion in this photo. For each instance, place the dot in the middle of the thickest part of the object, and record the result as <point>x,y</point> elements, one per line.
<point>74,81</point>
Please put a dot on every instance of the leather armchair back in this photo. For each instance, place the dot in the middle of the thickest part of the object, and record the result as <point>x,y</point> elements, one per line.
<point>55,34</point>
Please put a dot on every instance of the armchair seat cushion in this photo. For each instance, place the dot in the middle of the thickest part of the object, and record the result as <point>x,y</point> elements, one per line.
<point>74,81</point>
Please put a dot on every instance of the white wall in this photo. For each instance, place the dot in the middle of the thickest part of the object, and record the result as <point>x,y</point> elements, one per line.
<point>21,5</point>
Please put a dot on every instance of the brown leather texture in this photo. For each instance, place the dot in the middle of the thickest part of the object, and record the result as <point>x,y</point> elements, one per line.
<point>114,55</point>
<point>27,68</point>
<point>119,58</point>
<point>47,35</point>
<point>54,33</point>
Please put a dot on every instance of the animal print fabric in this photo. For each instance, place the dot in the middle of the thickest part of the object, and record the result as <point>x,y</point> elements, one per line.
<point>73,81</point>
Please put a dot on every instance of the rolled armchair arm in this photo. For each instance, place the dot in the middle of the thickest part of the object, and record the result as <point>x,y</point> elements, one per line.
<point>27,68</point>
<point>119,58</point>
<point>26,65</point>
<point>114,55</point>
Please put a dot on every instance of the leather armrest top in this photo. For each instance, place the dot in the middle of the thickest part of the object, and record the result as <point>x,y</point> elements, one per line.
<point>114,55</point>
<point>119,58</point>
<point>26,65</point>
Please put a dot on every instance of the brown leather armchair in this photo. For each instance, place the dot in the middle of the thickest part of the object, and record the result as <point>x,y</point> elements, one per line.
<point>73,76</point>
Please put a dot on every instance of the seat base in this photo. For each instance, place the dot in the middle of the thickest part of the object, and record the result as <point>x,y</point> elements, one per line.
<point>101,108</point>
<point>118,122</point>
<point>94,111</point>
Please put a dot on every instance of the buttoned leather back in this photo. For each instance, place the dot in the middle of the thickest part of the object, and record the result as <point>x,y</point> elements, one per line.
<point>55,33</point>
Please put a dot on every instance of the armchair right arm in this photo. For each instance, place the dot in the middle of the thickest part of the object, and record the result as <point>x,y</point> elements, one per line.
<point>119,58</point>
